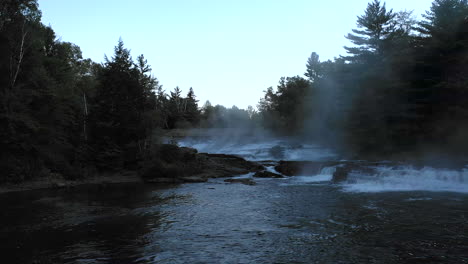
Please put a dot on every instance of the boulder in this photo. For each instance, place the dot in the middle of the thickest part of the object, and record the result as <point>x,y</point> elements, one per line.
<point>341,174</point>
<point>288,168</point>
<point>299,168</point>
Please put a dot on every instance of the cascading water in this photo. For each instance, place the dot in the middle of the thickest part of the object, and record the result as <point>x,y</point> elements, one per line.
<point>382,178</point>
<point>408,178</point>
<point>324,175</point>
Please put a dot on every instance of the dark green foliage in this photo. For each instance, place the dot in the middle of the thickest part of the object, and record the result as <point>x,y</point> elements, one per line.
<point>411,96</point>
<point>234,118</point>
<point>375,30</point>
<point>284,110</point>
<point>182,112</point>
<point>402,88</point>
<point>314,68</point>
<point>40,116</point>
<point>62,114</point>
<point>121,100</point>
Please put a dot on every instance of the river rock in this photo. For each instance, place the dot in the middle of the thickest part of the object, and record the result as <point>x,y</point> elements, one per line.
<point>341,174</point>
<point>222,165</point>
<point>300,168</point>
<point>267,174</point>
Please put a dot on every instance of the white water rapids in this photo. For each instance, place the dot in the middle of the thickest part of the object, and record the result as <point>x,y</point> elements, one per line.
<point>385,178</point>
<point>409,178</point>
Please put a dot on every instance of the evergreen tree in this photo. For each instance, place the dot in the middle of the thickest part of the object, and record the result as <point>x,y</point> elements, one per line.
<point>375,27</point>
<point>283,109</point>
<point>313,65</point>
<point>120,102</point>
<point>192,114</point>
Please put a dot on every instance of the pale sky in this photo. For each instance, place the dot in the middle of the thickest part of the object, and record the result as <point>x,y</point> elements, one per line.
<point>228,51</point>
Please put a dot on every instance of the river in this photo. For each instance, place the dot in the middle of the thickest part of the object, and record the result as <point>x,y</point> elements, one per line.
<point>302,219</point>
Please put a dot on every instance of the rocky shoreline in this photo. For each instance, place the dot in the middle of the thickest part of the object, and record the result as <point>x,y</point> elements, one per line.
<point>191,167</point>
<point>186,165</point>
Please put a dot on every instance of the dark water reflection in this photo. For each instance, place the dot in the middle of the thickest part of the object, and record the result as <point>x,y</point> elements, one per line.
<point>272,222</point>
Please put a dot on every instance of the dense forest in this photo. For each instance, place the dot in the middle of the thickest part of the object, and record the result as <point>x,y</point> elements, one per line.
<point>61,113</point>
<point>401,88</point>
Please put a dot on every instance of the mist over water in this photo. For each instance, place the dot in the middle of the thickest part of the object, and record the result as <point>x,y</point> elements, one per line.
<point>381,178</point>
<point>258,151</point>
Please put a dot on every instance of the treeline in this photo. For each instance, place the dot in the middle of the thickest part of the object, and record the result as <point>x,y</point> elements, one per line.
<point>219,116</point>
<point>403,87</point>
<point>63,114</point>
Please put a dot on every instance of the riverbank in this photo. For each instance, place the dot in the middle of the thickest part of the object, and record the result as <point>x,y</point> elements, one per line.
<point>179,165</point>
<point>59,182</point>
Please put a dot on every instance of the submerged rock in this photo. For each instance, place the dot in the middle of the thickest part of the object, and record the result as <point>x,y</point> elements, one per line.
<point>246,181</point>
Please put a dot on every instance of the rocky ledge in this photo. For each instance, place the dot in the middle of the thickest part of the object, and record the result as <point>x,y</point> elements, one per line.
<point>342,168</point>
<point>267,174</point>
<point>187,165</point>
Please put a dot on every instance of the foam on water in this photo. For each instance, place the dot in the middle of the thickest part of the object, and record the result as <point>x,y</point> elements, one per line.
<point>385,178</point>
<point>244,176</point>
<point>408,178</point>
<point>311,179</point>
<point>419,199</point>
<point>325,175</point>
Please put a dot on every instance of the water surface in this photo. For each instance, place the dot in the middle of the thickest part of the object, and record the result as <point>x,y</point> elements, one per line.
<point>295,220</point>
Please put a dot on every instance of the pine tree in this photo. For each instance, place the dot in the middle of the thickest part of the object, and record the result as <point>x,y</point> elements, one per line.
<point>313,65</point>
<point>117,117</point>
<point>375,27</point>
<point>192,114</point>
